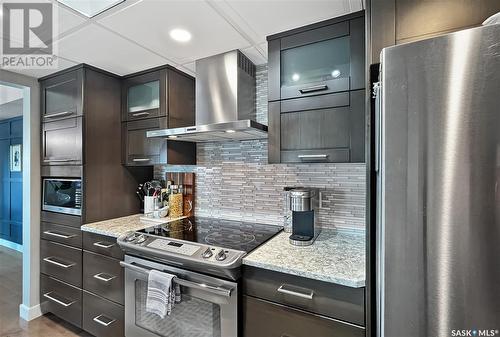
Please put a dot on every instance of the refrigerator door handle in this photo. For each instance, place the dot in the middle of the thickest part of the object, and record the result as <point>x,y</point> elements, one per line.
<point>378,107</point>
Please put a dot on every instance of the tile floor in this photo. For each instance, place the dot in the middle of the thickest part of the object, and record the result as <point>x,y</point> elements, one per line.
<point>10,298</point>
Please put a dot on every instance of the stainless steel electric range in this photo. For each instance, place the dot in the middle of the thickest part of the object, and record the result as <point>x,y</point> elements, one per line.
<point>205,255</point>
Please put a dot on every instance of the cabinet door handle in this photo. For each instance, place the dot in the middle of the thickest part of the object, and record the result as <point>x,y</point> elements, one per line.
<point>102,244</point>
<point>53,299</point>
<point>282,289</point>
<point>97,319</point>
<point>58,114</point>
<point>58,160</point>
<point>137,114</point>
<point>103,278</point>
<point>141,159</point>
<point>59,264</point>
<point>313,88</point>
<point>58,235</point>
<point>312,156</point>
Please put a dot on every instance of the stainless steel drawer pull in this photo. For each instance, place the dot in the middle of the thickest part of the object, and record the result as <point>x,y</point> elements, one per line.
<point>59,114</point>
<point>102,277</point>
<point>282,290</point>
<point>102,244</point>
<point>313,88</point>
<point>224,292</point>
<point>312,156</point>
<point>58,160</point>
<point>58,235</point>
<point>59,264</point>
<point>137,114</point>
<point>53,299</point>
<point>98,319</point>
<point>141,159</point>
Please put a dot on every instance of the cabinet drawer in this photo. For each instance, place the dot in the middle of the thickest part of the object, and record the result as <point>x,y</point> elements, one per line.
<point>61,261</point>
<point>336,301</point>
<point>266,319</point>
<point>61,299</point>
<point>62,142</point>
<point>101,317</point>
<point>103,276</point>
<point>70,236</point>
<point>102,244</point>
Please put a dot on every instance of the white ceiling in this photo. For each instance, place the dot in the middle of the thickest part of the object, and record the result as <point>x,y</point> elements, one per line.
<point>133,35</point>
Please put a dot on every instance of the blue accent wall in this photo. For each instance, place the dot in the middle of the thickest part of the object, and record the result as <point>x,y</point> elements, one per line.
<point>11,183</point>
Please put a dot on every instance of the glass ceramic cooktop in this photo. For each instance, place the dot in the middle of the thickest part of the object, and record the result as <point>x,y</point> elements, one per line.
<point>243,236</point>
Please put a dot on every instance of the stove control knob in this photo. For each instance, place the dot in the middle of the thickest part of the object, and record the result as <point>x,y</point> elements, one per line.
<point>140,239</point>
<point>220,256</point>
<point>130,237</point>
<point>207,253</point>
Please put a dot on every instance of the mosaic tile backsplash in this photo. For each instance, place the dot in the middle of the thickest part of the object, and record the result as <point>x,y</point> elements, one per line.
<point>234,180</point>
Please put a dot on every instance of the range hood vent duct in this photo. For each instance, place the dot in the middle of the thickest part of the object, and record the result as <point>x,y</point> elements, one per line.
<point>225,102</point>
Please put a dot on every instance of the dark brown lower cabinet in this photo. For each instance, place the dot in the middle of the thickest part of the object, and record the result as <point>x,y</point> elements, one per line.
<point>266,319</point>
<point>102,317</point>
<point>62,299</point>
<point>103,286</point>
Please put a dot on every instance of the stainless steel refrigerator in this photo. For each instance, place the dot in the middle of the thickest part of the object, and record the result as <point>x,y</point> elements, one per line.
<point>438,186</point>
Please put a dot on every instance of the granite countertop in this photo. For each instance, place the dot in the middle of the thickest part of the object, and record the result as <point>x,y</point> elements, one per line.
<point>118,226</point>
<point>337,256</point>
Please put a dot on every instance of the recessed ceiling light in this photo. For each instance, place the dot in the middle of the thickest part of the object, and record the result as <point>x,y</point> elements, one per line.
<point>180,35</point>
<point>295,77</point>
<point>230,131</point>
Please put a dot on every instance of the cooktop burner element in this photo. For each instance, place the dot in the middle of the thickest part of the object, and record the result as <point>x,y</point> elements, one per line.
<point>208,245</point>
<point>238,235</point>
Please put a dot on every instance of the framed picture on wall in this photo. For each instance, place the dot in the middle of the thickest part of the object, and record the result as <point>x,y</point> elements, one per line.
<point>16,158</point>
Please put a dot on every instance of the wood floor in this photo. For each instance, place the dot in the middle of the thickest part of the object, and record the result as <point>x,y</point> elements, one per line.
<point>10,298</point>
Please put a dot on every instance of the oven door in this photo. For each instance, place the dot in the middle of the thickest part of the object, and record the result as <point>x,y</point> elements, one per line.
<point>208,306</point>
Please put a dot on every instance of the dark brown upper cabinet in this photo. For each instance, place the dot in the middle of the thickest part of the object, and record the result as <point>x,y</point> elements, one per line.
<point>157,99</point>
<point>84,141</point>
<point>62,96</point>
<point>316,92</point>
<point>319,59</point>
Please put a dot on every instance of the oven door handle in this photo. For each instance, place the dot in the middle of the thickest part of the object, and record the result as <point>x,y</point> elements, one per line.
<point>189,284</point>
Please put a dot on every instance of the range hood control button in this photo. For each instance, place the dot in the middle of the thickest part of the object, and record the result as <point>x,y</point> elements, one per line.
<point>207,253</point>
<point>221,256</point>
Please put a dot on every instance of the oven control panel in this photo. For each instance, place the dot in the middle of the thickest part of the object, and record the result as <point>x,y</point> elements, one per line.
<point>180,250</point>
<point>173,246</point>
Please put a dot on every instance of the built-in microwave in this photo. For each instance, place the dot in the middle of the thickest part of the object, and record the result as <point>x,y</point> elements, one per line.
<point>62,195</point>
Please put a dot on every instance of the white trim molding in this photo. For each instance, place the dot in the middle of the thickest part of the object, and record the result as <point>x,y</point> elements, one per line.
<point>29,313</point>
<point>11,245</point>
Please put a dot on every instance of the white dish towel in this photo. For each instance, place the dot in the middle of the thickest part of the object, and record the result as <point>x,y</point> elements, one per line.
<point>161,293</point>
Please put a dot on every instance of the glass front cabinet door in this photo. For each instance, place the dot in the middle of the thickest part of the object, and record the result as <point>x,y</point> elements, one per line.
<point>143,96</point>
<point>338,53</point>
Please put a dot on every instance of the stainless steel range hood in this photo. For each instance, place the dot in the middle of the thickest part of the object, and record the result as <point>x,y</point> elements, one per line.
<point>225,102</point>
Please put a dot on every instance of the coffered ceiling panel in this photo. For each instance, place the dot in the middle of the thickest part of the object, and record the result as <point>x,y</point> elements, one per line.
<point>261,18</point>
<point>149,23</point>
<point>99,47</point>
